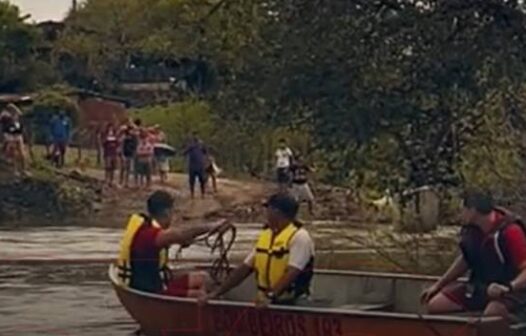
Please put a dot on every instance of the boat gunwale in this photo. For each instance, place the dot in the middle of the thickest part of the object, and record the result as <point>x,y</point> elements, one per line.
<point>321,310</point>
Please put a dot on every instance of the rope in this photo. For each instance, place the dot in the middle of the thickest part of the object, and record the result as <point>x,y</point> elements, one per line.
<point>220,243</point>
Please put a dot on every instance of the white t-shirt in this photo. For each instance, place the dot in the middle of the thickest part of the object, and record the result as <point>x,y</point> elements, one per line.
<point>301,251</point>
<point>283,157</point>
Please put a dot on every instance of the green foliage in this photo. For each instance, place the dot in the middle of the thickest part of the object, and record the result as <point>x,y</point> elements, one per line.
<point>17,55</point>
<point>493,157</point>
<point>380,94</point>
<point>46,104</point>
<point>179,121</point>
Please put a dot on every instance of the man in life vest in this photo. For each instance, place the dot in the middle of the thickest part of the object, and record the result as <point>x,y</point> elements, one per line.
<point>493,249</point>
<point>282,259</point>
<point>143,257</point>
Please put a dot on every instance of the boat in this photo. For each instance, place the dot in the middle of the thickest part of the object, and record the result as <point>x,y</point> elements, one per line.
<point>344,303</point>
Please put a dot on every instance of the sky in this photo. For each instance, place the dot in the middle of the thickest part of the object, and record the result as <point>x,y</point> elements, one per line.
<point>43,10</point>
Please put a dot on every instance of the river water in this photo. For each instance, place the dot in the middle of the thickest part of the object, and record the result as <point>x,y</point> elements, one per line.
<point>53,280</point>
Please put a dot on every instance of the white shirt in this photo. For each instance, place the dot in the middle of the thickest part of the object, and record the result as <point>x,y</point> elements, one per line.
<point>301,251</point>
<point>283,157</point>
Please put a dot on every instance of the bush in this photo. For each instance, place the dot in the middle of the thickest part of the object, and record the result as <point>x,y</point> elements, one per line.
<point>47,103</point>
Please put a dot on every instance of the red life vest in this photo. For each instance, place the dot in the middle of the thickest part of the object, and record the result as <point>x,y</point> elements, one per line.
<point>486,254</point>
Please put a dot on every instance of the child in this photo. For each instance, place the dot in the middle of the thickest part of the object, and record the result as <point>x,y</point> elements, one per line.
<point>110,146</point>
<point>145,150</point>
<point>164,167</point>
<point>129,142</point>
<point>212,171</point>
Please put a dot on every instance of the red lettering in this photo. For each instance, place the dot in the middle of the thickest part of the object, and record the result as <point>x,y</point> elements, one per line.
<point>316,326</point>
<point>300,324</point>
<point>337,326</point>
<point>232,322</point>
<point>290,325</point>
<point>218,321</point>
<point>326,327</point>
<point>253,322</point>
<point>278,325</point>
<point>265,323</point>
<point>244,322</point>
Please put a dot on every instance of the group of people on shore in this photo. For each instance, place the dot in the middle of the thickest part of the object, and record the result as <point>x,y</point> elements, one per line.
<point>143,151</point>
<point>130,148</point>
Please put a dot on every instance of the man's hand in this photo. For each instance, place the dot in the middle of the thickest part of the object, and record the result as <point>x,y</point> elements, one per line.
<point>203,299</point>
<point>262,303</point>
<point>496,291</point>
<point>430,293</point>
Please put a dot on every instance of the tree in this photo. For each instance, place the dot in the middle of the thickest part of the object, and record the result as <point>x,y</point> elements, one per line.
<point>19,68</point>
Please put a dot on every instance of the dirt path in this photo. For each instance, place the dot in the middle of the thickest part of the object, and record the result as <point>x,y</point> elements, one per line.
<point>118,203</point>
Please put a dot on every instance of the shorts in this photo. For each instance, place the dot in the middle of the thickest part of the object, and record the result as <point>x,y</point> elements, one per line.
<point>110,163</point>
<point>196,174</point>
<point>457,293</point>
<point>60,147</point>
<point>302,192</point>
<point>164,166</point>
<point>126,163</point>
<point>143,167</point>
<point>283,175</point>
<point>179,286</point>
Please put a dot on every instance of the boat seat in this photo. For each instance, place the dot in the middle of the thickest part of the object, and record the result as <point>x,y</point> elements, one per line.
<point>383,306</point>
<point>466,314</point>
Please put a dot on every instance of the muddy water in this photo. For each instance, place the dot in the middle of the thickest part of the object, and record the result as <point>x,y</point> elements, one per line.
<point>53,280</point>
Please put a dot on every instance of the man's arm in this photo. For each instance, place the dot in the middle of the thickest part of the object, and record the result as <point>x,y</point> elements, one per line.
<point>184,236</point>
<point>234,279</point>
<point>520,281</point>
<point>455,271</point>
<point>516,245</point>
<point>301,249</point>
<point>290,275</point>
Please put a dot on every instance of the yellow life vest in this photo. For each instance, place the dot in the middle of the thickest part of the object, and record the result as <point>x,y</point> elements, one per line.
<point>272,259</point>
<point>124,264</point>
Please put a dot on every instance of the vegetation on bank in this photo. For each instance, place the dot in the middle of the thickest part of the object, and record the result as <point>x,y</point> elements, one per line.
<point>380,94</point>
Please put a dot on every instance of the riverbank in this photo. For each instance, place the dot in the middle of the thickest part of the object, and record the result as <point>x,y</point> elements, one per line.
<point>345,237</point>
<point>46,195</point>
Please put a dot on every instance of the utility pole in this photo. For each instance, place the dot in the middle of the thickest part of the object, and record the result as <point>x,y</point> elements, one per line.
<point>73,5</point>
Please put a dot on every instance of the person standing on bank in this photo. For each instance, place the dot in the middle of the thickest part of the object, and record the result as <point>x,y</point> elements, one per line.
<point>284,157</point>
<point>195,153</point>
<point>129,142</point>
<point>300,182</point>
<point>282,260</point>
<point>60,130</point>
<point>493,249</point>
<point>14,138</point>
<point>110,150</point>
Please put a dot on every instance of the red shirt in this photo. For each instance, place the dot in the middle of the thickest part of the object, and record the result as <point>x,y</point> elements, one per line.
<point>110,146</point>
<point>145,147</point>
<point>515,241</point>
<point>143,246</point>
